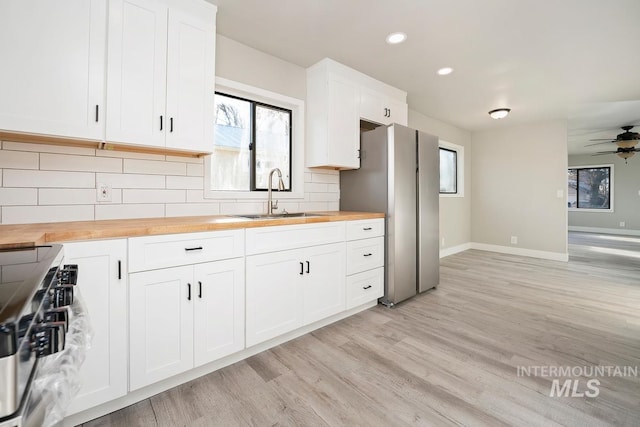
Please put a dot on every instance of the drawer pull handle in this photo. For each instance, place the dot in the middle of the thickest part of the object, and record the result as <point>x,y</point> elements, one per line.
<point>308,265</point>
<point>367,287</point>
<point>367,254</point>
<point>198,248</point>
<point>301,268</point>
<point>367,229</point>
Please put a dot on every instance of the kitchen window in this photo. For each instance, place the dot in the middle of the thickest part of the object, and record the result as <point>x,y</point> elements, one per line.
<point>590,188</point>
<point>451,169</point>
<point>255,132</point>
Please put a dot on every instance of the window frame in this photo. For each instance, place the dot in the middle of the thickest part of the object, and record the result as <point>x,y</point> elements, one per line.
<point>272,100</point>
<point>611,188</point>
<point>459,150</point>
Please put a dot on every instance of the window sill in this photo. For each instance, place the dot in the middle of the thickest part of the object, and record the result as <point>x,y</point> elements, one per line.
<point>590,210</point>
<point>447,195</point>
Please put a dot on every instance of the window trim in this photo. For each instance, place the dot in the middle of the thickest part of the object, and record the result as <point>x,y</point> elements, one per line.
<point>611,188</point>
<point>269,98</point>
<point>459,149</point>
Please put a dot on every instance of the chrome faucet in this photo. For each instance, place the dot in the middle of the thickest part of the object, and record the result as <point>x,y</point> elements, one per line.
<point>270,205</point>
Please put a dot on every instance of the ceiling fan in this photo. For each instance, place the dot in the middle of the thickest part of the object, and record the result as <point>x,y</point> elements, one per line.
<point>626,142</point>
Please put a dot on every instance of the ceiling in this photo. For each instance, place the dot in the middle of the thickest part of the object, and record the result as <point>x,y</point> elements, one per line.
<point>566,59</point>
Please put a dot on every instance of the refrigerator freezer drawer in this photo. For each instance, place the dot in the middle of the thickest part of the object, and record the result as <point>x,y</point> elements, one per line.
<point>365,287</point>
<point>365,255</point>
<point>365,229</point>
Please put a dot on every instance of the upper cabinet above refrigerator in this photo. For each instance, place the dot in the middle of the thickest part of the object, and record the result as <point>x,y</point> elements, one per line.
<point>338,97</point>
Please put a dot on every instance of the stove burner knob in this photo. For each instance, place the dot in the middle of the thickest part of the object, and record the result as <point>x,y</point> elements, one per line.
<point>62,295</point>
<point>48,338</point>
<point>61,314</point>
<point>68,275</point>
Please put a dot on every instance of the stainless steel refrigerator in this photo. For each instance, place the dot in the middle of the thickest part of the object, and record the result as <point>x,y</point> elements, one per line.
<point>400,175</point>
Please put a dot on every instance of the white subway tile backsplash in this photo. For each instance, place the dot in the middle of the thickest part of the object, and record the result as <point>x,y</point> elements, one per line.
<point>192,209</point>
<point>45,148</point>
<point>74,196</point>
<point>333,206</point>
<point>129,211</point>
<point>154,167</point>
<point>18,160</point>
<point>325,178</point>
<point>153,196</point>
<point>18,196</point>
<point>130,155</point>
<point>30,214</point>
<point>66,162</point>
<point>195,170</point>
<point>184,159</point>
<point>127,180</point>
<point>185,182</point>
<point>49,183</point>
<point>48,179</point>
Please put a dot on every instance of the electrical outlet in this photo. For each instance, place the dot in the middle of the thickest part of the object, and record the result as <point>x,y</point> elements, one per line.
<point>442,242</point>
<point>514,240</point>
<point>103,192</point>
<point>622,224</point>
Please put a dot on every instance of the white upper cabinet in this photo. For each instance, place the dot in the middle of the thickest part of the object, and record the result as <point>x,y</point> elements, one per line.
<point>337,98</point>
<point>161,72</point>
<point>53,65</point>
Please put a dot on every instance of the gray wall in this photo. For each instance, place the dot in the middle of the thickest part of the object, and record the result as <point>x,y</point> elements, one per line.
<point>516,174</point>
<point>626,204</point>
<point>455,212</point>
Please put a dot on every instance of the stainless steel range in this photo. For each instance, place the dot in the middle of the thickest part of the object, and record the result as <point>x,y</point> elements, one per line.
<point>36,310</point>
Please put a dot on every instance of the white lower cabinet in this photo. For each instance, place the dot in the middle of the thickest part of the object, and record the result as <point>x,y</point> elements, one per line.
<point>289,289</point>
<point>102,281</point>
<point>182,317</point>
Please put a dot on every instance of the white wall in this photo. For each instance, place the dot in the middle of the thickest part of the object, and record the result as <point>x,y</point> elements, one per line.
<point>515,177</point>
<point>455,212</point>
<point>46,183</point>
<point>626,195</point>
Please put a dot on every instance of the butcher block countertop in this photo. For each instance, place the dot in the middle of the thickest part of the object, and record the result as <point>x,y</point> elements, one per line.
<point>27,235</point>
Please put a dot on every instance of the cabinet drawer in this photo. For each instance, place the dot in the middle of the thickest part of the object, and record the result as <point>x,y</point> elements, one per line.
<point>270,239</point>
<point>365,287</point>
<point>363,229</point>
<point>365,254</point>
<point>153,252</point>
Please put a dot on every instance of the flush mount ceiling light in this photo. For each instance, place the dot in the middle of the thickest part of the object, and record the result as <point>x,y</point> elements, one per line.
<point>395,38</point>
<point>499,113</point>
<point>444,71</point>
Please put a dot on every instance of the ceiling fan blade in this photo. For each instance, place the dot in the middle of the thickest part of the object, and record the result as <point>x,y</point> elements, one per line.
<point>602,153</point>
<point>603,139</point>
<point>598,143</point>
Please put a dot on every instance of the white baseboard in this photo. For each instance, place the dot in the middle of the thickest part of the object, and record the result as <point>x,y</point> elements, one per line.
<point>618,231</point>
<point>455,249</point>
<point>554,256</point>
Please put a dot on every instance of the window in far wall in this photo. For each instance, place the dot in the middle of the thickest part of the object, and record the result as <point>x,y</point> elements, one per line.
<point>251,138</point>
<point>590,188</point>
<point>448,171</point>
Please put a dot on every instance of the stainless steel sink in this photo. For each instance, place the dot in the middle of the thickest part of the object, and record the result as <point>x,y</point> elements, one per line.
<point>280,215</point>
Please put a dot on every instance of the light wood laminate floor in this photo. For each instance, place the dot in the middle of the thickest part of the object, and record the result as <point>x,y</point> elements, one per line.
<point>448,357</point>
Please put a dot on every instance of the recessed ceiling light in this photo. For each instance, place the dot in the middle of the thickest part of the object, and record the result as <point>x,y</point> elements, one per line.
<point>395,38</point>
<point>445,71</point>
<point>499,113</point>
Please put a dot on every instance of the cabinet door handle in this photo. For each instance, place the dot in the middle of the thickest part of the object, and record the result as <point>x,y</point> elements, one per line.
<point>389,113</point>
<point>97,113</point>
<point>171,124</point>
<point>308,265</point>
<point>366,287</point>
<point>199,289</point>
<point>160,122</point>
<point>188,291</point>
<point>358,153</point>
<point>197,248</point>
<point>301,268</point>
<point>367,229</point>
<point>119,270</point>
<point>368,254</point>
